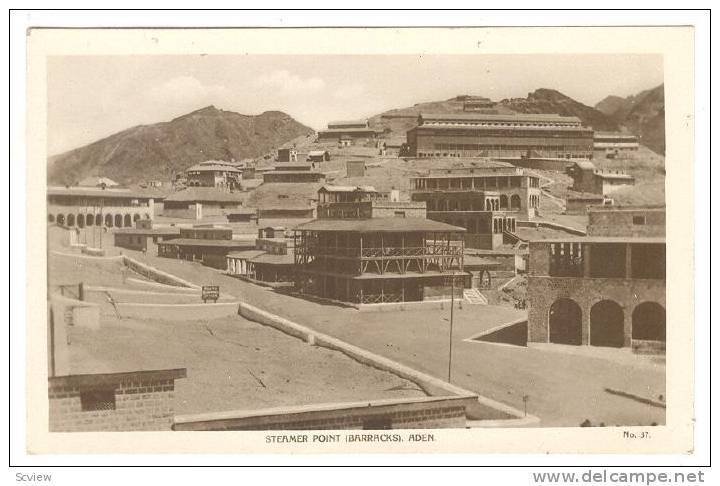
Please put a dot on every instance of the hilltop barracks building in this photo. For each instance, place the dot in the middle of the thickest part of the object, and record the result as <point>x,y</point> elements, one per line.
<point>380,251</point>
<point>603,289</point>
<point>492,135</point>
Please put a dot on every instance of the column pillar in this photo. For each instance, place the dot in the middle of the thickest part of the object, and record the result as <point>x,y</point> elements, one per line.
<point>628,261</point>
<point>585,338</point>
<point>586,259</point>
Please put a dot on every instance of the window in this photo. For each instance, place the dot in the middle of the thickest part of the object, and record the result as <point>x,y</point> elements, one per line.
<point>399,214</point>
<point>91,400</point>
<point>638,220</point>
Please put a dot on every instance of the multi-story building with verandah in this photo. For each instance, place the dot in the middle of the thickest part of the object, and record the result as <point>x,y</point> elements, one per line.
<point>604,289</point>
<point>486,202</point>
<point>374,255</point>
<point>494,135</point>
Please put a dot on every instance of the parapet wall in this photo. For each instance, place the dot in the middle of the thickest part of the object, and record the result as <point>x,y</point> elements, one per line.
<point>426,413</point>
<point>155,274</point>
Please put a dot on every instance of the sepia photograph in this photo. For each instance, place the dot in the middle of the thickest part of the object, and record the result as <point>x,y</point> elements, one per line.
<point>311,247</point>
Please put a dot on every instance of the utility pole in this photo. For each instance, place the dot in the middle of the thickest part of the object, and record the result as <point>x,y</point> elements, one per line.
<point>452,305</point>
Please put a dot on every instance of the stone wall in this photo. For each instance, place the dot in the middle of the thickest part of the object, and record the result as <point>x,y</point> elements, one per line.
<point>628,293</point>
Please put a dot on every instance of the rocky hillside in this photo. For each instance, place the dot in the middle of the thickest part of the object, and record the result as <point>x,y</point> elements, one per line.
<point>161,150</point>
<point>551,101</point>
<point>642,114</point>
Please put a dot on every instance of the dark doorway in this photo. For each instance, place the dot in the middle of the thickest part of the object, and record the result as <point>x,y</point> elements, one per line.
<point>607,326</point>
<point>648,322</point>
<point>565,322</point>
<point>118,220</point>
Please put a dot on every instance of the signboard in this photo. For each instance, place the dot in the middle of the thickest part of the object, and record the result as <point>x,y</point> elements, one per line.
<point>210,292</point>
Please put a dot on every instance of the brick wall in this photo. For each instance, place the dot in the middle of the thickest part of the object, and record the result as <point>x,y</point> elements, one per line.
<point>432,413</point>
<point>140,402</point>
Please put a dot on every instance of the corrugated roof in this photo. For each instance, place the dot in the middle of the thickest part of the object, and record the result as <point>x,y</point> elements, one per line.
<point>151,231</point>
<point>273,259</point>
<point>205,194</point>
<point>386,225</point>
<point>97,192</point>
<point>543,117</point>
<point>613,175</point>
<point>246,254</point>
<point>347,188</point>
<point>585,164</point>
<point>213,168</point>
<point>362,121</point>
<point>211,243</point>
<point>94,181</point>
<point>348,130</point>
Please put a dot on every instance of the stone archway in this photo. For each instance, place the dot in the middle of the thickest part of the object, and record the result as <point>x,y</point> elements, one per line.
<point>98,220</point>
<point>108,220</point>
<point>136,216</point>
<point>89,219</point>
<point>565,321</point>
<point>51,218</point>
<point>60,219</point>
<point>648,322</point>
<point>80,220</point>
<point>127,220</point>
<point>514,201</point>
<point>607,324</point>
<point>118,221</point>
<point>71,219</point>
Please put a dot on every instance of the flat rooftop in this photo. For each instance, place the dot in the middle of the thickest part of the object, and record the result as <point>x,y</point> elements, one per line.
<point>380,225</point>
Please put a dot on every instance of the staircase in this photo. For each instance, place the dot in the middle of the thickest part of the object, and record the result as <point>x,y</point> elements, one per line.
<point>473,296</point>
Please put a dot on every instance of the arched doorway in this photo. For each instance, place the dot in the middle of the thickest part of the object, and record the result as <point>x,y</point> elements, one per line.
<point>118,220</point>
<point>514,201</point>
<point>565,322</point>
<point>98,220</point>
<point>89,219</point>
<point>108,220</point>
<point>80,220</point>
<point>128,221</point>
<point>648,322</point>
<point>60,219</point>
<point>136,216</point>
<point>51,218</point>
<point>607,324</point>
<point>71,220</point>
<point>503,202</point>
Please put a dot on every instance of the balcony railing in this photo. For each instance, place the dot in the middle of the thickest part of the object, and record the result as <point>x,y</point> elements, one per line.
<point>381,252</point>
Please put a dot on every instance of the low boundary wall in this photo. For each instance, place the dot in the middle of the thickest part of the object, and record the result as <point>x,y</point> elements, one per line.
<point>409,413</point>
<point>155,274</point>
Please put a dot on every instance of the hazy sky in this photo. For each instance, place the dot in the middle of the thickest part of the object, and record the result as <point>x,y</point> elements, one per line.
<point>92,97</point>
